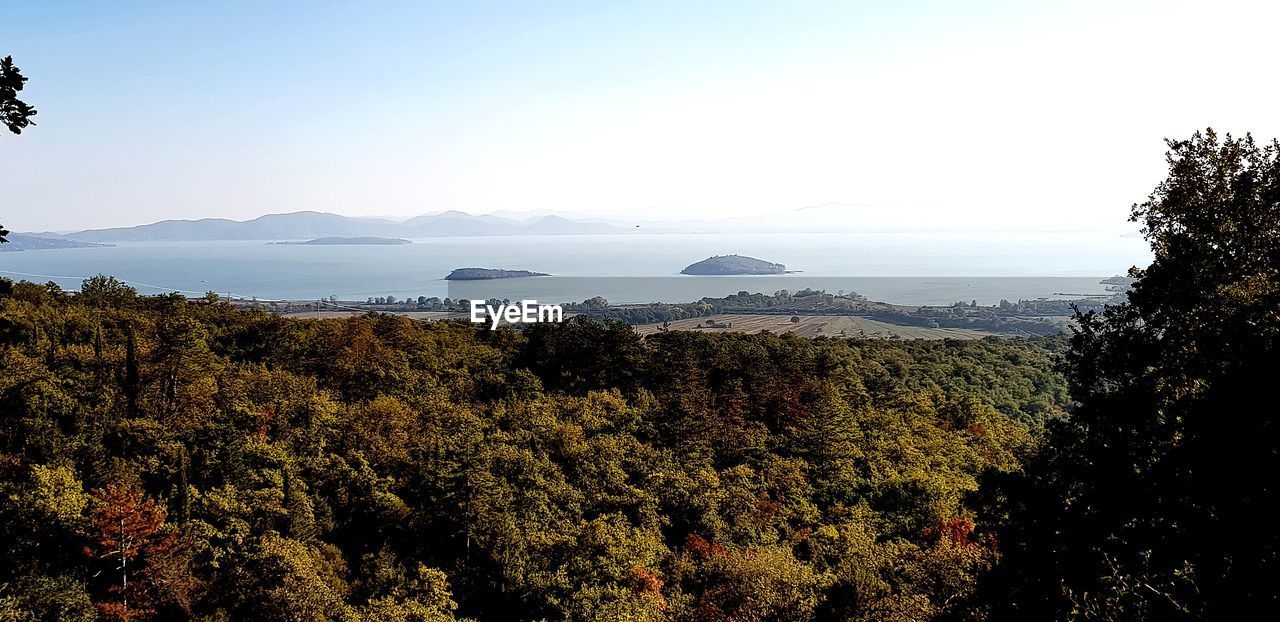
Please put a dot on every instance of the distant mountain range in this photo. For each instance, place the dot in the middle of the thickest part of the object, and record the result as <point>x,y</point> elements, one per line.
<point>296,226</point>
<point>309,225</point>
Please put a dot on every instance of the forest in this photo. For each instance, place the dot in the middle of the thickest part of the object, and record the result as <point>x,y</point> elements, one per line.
<point>166,458</point>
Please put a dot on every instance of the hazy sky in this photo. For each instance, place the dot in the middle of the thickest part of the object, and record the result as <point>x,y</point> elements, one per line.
<point>1036,112</point>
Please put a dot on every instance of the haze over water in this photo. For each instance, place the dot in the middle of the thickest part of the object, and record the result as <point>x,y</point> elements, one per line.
<point>989,263</point>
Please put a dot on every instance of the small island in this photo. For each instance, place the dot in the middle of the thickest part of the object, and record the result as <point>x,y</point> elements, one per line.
<point>486,274</point>
<point>733,265</point>
<point>337,241</point>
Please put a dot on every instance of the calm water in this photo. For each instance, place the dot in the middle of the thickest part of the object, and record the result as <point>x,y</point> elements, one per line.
<point>906,268</point>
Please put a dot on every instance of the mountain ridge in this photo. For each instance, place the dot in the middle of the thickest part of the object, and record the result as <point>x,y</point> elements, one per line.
<point>304,225</point>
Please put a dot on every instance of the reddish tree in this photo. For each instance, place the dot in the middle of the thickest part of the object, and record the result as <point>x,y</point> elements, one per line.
<point>956,530</point>
<point>699,547</point>
<point>126,532</point>
<point>646,583</point>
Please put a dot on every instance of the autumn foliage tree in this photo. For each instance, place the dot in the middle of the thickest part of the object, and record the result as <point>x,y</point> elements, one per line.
<point>380,468</point>
<point>127,536</point>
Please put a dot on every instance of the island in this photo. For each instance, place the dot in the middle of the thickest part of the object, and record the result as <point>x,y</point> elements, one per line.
<point>366,240</point>
<point>486,274</point>
<point>733,265</point>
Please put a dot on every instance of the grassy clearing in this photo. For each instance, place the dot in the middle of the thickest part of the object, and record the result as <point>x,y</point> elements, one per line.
<point>853,327</point>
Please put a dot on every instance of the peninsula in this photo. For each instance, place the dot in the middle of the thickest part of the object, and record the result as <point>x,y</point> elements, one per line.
<point>365,240</point>
<point>23,242</point>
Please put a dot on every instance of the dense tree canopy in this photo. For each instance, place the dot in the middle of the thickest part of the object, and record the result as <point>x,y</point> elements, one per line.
<point>165,458</point>
<point>1155,500</point>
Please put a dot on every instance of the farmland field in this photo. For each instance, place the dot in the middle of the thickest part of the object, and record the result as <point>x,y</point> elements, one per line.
<point>417,315</point>
<point>847,326</point>
<point>815,326</point>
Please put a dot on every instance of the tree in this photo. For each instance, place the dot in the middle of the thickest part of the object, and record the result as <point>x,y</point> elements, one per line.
<point>279,578</point>
<point>14,113</point>
<point>126,533</point>
<point>132,378</point>
<point>1154,499</point>
<point>106,291</point>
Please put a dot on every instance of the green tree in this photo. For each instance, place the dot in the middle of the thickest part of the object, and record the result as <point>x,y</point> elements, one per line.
<point>106,291</point>
<point>1155,499</point>
<point>279,579</point>
<point>15,114</point>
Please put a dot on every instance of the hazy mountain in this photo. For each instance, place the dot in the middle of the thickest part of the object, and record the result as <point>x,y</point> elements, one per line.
<point>832,217</point>
<point>455,223</point>
<point>297,225</point>
<point>559,225</point>
<point>308,225</point>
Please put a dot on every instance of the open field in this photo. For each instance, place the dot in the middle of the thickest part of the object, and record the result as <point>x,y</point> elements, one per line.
<point>847,326</point>
<point>816,326</point>
<point>426,316</point>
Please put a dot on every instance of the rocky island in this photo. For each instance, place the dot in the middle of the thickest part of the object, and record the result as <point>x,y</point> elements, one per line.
<point>486,274</point>
<point>733,265</point>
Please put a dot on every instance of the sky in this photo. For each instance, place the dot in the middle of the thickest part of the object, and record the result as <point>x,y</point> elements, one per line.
<point>1044,114</point>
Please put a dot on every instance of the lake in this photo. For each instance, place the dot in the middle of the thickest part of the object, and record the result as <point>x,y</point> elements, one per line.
<point>905,268</point>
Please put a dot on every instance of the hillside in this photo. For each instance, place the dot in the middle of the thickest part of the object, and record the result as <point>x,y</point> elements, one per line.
<point>733,265</point>
<point>487,274</point>
<point>387,469</point>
